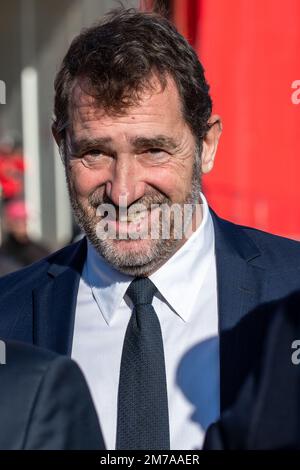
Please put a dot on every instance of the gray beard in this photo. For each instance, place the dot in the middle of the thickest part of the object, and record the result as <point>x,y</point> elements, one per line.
<point>134,262</point>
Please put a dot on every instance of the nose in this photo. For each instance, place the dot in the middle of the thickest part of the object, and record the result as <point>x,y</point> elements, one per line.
<point>125,185</point>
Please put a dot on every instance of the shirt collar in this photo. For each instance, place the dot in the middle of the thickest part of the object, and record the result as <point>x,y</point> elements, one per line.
<point>184,272</point>
<point>107,283</point>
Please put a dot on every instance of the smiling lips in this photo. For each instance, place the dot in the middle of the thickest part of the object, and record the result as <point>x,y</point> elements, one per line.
<point>136,222</point>
<point>136,217</point>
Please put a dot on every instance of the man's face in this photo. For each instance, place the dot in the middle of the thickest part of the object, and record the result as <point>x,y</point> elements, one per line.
<point>144,156</point>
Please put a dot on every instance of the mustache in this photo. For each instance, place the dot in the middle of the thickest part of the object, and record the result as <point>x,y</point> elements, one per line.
<point>147,200</point>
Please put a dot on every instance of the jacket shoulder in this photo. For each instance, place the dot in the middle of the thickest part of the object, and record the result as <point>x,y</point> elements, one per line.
<point>275,245</point>
<point>31,276</point>
<point>40,417</point>
<point>274,251</point>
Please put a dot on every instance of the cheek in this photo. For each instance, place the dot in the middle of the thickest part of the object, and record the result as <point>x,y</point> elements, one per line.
<point>174,182</point>
<point>85,181</point>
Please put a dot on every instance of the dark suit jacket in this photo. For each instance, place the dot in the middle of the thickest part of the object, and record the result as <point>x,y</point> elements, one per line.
<point>45,402</point>
<point>37,304</point>
<point>267,412</point>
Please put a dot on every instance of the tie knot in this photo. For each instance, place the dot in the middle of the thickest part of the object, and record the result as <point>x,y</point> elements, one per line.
<point>141,291</point>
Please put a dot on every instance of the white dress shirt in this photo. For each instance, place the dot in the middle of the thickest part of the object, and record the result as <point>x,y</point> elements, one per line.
<point>186,305</point>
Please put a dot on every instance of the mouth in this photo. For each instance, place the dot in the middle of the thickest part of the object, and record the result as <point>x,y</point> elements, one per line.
<point>135,218</point>
<point>137,223</point>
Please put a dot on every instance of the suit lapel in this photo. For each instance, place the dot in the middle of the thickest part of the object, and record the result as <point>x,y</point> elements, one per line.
<point>54,303</point>
<point>240,288</point>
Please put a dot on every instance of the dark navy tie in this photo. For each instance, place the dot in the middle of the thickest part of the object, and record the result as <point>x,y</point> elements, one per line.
<point>143,418</point>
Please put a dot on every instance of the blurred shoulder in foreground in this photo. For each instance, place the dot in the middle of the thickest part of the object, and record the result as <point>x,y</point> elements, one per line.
<point>45,402</point>
<point>266,415</point>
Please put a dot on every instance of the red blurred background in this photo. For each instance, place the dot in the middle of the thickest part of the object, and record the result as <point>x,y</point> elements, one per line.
<point>250,50</point>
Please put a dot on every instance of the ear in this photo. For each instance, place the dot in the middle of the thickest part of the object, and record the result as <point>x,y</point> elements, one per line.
<point>210,143</point>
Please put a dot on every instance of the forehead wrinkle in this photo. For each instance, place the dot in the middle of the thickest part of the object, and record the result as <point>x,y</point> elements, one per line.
<point>88,116</point>
<point>80,100</point>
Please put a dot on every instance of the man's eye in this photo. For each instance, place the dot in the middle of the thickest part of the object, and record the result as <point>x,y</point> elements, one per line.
<point>155,156</point>
<point>94,153</point>
<point>155,151</point>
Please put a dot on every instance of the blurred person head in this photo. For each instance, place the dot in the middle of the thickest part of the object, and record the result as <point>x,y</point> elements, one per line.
<point>10,143</point>
<point>134,126</point>
<point>5,147</point>
<point>15,219</point>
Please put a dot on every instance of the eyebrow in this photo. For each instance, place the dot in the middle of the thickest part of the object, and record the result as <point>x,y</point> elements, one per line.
<point>80,145</point>
<point>138,143</point>
<point>156,141</point>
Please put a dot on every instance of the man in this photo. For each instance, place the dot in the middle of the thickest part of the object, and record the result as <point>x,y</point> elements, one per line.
<point>141,305</point>
<point>45,402</point>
